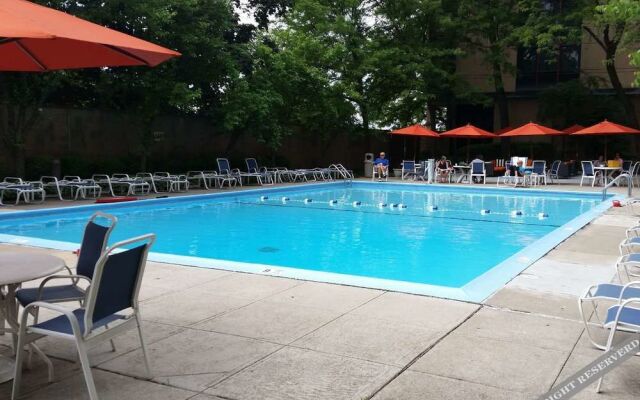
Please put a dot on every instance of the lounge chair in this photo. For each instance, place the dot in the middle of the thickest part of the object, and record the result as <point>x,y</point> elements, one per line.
<point>27,191</point>
<point>622,317</point>
<point>110,308</point>
<point>224,169</point>
<point>262,175</point>
<point>478,170</point>
<point>173,183</point>
<point>408,169</point>
<point>94,243</point>
<point>122,184</point>
<point>589,173</point>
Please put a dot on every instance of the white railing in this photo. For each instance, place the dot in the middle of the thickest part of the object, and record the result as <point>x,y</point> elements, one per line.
<point>342,171</point>
<point>626,176</point>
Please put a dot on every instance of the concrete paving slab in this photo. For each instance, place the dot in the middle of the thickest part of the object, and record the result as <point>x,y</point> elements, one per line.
<point>299,374</point>
<point>271,321</point>
<point>582,258</point>
<point>326,296</point>
<point>535,302</point>
<point>561,278</point>
<point>371,339</point>
<point>176,277</point>
<point>193,359</point>
<point>413,385</point>
<point>109,387</point>
<point>35,379</point>
<point>624,221</point>
<point>188,306</point>
<point>596,239</point>
<point>526,329</point>
<point>248,286</point>
<point>620,383</point>
<point>506,365</point>
<point>66,349</point>
<point>426,312</point>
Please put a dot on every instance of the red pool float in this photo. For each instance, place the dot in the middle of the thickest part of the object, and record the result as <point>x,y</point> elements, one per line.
<point>115,199</point>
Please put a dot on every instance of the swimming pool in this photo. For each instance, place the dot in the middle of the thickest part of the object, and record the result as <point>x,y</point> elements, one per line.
<point>426,239</point>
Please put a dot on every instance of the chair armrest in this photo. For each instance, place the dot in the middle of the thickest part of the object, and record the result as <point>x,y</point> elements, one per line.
<point>633,232</point>
<point>53,307</point>
<point>631,284</point>
<point>74,278</point>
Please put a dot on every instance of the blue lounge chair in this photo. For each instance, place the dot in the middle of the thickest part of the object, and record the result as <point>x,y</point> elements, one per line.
<point>94,243</point>
<point>110,309</point>
<point>262,175</point>
<point>598,296</point>
<point>622,317</point>
<point>539,171</point>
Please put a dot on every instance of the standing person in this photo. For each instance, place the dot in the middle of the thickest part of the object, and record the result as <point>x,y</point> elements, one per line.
<point>381,166</point>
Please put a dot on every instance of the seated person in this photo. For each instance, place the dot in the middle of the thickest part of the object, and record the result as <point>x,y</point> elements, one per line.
<point>381,165</point>
<point>517,170</point>
<point>600,162</point>
<point>443,169</point>
<point>478,158</point>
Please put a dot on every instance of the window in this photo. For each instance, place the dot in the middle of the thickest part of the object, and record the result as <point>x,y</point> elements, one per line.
<point>537,70</point>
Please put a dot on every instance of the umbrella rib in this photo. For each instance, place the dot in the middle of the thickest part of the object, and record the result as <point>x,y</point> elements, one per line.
<point>128,54</point>
<point>31,55</point>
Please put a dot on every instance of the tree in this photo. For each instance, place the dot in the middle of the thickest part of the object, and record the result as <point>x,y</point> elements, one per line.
<point>413,62</point>
<point>490,28</point>
<point>629,12</point>
<point>610,27</point>
<point>22,96</point>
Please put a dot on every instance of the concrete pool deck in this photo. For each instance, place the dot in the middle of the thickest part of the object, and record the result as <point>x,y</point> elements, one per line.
<point>217,334</point>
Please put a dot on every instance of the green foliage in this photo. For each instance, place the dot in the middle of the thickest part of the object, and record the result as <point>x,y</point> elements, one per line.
<point>576,102</point>
<point>626,12</point>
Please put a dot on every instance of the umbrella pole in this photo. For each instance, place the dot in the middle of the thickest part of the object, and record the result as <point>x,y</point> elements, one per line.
<point>468,150</point>
<point>605,148</point>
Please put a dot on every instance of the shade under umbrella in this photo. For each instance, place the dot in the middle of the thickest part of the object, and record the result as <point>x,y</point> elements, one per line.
<point>468,132</point>
<point>607,128</point>
<point>36,38</point>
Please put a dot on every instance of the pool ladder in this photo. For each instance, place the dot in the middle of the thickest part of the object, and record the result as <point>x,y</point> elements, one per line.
<point>342,171</point>
<point>626,176</point>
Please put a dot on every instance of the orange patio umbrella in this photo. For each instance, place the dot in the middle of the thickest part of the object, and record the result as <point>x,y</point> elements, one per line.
<point>36,38</point>
<point>573,128</point>
<point>607,128</point>
<point>532,129</point>
<point>468,132</point>
<point>417,131</point>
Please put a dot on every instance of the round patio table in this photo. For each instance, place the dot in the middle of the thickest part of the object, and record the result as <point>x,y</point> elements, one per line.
<point>16,268</point>
<point>464,171</point>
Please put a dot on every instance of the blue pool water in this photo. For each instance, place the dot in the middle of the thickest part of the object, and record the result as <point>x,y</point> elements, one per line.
<point>450,246</point>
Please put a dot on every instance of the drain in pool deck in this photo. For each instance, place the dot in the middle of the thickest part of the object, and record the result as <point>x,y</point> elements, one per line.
<point>268,249</point>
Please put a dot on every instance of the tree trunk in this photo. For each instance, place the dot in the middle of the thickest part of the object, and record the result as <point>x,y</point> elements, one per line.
<point>629,109</point>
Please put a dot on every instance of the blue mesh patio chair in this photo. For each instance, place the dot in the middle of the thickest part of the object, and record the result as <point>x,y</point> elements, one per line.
<point>589,173</point>
<point>94,243</point>
<point>478,171</point>
<point>110,309</point>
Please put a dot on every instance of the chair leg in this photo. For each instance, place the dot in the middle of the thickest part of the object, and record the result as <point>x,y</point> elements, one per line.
<point>144,348</point>
<point>17,377</point>
<point>86,369</point>
<point>612,333</point>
